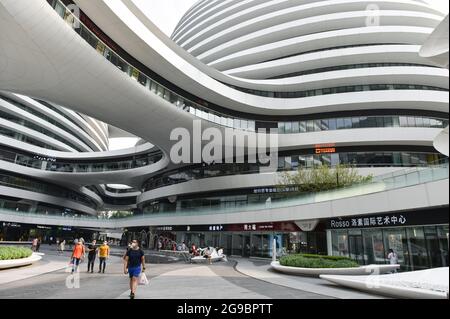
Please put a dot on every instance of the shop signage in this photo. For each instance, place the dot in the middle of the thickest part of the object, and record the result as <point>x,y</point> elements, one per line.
<point>43,227</point>
<point>11,225</point>
<point>325,148</point>
<point>249,227</point>
<point>165,228</point>
<point>215,228</point>
<point>46,159</point>
<point>390,220</point>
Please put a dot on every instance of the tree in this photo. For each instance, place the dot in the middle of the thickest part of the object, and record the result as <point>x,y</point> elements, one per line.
<point>322,178</point>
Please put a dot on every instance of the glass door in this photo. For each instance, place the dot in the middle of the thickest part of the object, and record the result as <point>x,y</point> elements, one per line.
<point>246,246</point>
<point>374,252</point>
<point>356,247</point>
<point>396,239</point>
<point>237,248</point>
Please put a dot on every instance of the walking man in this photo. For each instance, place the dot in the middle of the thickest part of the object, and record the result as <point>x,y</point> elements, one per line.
<point>92,252</point>
<point>103,253</point>
<point>134,265</point>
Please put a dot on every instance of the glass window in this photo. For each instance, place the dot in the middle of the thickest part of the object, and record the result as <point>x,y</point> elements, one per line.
<point>334,159</point>
<point>288,127</point>
<point>403,121</point>
<point>374,247</point>
<point>317,126</point>
<point>310,126</point>
<point>281,127</point>
<point>302,161</point>
<point>395,239</point>
<point>442,234</point>
<point>419,122</point>
<point>363,123</point>
<point>340,243</point>
<point>355,122</point>
<point>348,123</point>
<point>372,121</point>
<point>395,121</point>
<point>417,248</point>
<point>411,121</point>
<point>302,127</point>
<point>380,121</point>
<point>294,162</point>
<point>324,125</point>
<point>406,159</point>
<point>309,161</point>
<point>340,124</point>
<point>288,163</point>
<point>295,127</point>
<point>332,124</point>
<point>388,122</point>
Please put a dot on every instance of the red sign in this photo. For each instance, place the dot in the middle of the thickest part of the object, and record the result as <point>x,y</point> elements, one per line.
<point>326,150</point>
<point>276,226</point>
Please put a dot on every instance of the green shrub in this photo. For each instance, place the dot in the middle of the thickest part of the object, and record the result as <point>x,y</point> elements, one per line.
<point>317,261</point>
<point>8,253</point>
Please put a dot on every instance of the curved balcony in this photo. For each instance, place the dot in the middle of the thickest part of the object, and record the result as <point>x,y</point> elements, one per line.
<point>414,183</point>
<point>131,165</point>
<point>357,159</point>
<point>14,185</point>
<point>124,23</point>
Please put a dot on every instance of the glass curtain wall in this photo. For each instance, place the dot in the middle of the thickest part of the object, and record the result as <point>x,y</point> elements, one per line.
<point>418,247</point>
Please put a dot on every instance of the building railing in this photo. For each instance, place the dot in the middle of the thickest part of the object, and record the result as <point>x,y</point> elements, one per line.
<point>220,170</point>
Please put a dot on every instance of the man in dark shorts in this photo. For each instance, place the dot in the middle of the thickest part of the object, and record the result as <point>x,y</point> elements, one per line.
<point>134,264</point>
<point>92,252</point>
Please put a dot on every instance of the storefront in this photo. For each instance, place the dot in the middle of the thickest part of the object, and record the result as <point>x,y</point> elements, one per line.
<point>47,234</point>
<point>420,238</point>
<point>249,240</point>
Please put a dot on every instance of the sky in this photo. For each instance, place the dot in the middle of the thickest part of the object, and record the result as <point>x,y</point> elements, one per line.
<point>166,14</point>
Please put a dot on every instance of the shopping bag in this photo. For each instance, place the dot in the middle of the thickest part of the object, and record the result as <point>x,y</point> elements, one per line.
<point>143,281</point>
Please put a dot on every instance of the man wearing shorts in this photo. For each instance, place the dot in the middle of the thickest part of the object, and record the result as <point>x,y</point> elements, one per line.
<point>134,264</point>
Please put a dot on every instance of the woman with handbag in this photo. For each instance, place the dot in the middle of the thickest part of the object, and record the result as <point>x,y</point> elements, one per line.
<point>134,265</point>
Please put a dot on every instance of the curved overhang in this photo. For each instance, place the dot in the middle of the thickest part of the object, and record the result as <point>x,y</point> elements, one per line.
<point>436,47</point>
<point>132,30</point>
<point>39,197</point>
<point>441,142</point>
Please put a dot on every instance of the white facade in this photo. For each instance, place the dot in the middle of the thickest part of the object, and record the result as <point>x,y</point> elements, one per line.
<point>351,68</point>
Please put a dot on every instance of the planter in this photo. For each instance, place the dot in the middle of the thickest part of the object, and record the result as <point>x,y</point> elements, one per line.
<point>13,263</point>
<point>316,272</point>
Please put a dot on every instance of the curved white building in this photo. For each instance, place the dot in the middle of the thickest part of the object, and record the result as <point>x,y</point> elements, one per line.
<point>340,81</point>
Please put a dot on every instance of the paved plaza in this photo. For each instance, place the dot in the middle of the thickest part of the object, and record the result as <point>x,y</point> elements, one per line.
<point>236,279</point>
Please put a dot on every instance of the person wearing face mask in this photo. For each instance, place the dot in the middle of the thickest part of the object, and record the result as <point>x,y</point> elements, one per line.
<point>134,264</point>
